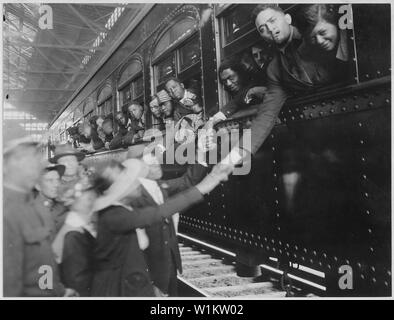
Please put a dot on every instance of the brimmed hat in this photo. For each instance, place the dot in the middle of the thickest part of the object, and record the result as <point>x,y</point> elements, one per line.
<point>66,149</point>
<point>11,145</point>
<point>124,185</point>
<point>55,167</point>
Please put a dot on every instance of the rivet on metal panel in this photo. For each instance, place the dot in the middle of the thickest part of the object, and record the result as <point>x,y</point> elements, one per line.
<point>373,268</point>
<point>343,109</point>
<point>311,115</point>
<point>278,228</point>
<point>366,194</point>
<point>370,104</point>
<point>387,101</point>
<point>360,124</point>
<point>321,113</point>
<point>367,212</point>
<point>367,76</point>
<point>371,249</point>
<point>359,265</point>
<point>362,277</point>
<point>361,141</point>
<point>324,256</point>
<point>369,231</point>
<point>332,110</point>
<point>373,280</point>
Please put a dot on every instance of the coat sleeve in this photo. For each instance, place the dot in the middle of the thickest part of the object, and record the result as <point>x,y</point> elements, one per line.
<point>13,260</point>
<point>76,267</point>
<point>121,220</point>
<point>193,175</point>
<point>268,111</point>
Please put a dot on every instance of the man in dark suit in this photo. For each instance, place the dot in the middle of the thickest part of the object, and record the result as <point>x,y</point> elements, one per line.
<point>162,255</point>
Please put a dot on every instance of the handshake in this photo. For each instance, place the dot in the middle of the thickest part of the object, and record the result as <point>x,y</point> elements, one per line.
<point>219,173</point>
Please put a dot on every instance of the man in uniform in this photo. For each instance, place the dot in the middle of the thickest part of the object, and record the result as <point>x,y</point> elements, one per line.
<point>45,202</point>
<point>71,158</point>
<point>29,267</point>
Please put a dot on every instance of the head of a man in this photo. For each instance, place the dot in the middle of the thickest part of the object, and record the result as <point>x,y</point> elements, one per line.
<point>107,126</point>
<point>319,25</point>
<point>155,107</point>
<point>135,110</point>
<point>71,163</point>
<point>155,170</point>
<point>167,108</point>
<point>232,76</point>
<point>84,202</point>
<point>120,119</point>
<point>175,89</point>
<point>22,166</point>
<point>260,55</point>
<point>273,25</point>
<point>165,103</point>
<point>99,121</point>
<point>48,184</point>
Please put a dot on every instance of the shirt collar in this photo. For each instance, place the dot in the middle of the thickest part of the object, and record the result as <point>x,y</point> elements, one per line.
<point>294,35</point>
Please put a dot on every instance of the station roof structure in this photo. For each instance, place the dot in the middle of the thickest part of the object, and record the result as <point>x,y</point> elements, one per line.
<point>43,67</point>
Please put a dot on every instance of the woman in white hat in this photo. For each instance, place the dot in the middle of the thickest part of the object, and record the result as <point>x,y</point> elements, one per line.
<point>121,269</point>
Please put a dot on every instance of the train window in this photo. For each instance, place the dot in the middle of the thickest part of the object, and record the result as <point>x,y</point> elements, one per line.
<point>237,22</point>
<point>104,100</point>
<point>189,54</point>
<point>78,113</point>
<point>166,69</point>
<point>131,83</point>
<point>174,35</point>
<point>177,52</point>
<point>88,108</point>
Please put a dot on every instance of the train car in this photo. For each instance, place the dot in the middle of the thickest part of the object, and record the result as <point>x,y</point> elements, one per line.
<point>317,201</point>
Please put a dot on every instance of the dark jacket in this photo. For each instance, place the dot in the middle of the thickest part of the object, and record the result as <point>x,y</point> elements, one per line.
<point>163,254</point>
<point>27,250</point>
<point>121,269</point>
<point>238,102</point>
<point>290,73</point>
<point>77,261</point>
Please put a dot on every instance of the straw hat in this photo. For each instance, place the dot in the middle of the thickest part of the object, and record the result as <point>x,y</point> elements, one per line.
<point>125,184</point>
<point>66,149</point>
<point>11,145</point>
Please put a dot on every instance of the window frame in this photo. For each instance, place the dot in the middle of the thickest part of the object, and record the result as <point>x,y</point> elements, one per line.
<point>130,81</point>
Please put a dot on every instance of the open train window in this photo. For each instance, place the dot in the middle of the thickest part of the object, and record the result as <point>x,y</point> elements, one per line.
<point>104,100</point>
<point>131,83</point>
<point>237,22</point>
<point>78,113</point>
<point>177,53</point>
<point>88,108</point>
<point>239,38</point>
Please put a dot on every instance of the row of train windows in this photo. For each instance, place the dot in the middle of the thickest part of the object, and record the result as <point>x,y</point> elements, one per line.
<point>177,53</point>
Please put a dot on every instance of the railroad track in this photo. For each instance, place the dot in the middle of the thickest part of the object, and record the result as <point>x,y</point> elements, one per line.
<point>210,271</point>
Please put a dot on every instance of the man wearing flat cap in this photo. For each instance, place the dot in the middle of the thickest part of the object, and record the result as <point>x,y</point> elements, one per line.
<point>71,159</point>
<point>29,267</point>
<point>45,202</point>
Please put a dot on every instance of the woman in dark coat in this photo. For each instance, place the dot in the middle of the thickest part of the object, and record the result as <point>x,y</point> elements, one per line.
<point>121,269</point>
